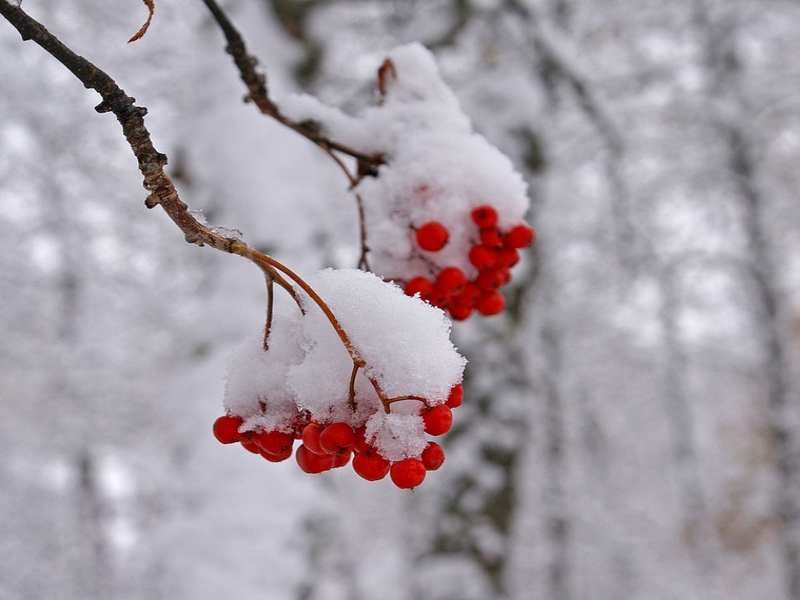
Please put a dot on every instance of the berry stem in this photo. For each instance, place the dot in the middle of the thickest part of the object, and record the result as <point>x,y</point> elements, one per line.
<point>363,263</point>
<point>387,402</point>
<point>351,397</point>
<point>259,95</point>
<point>270,304</point>
<point>268,263</point>
<point>409,397</point>
<point>378,390</point>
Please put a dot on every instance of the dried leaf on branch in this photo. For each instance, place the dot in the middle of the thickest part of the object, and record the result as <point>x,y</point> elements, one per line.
<point>151,8</point>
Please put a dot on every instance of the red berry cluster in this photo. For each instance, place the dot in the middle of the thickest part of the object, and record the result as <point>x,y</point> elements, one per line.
<point>492,253</point>
<point>326,447</point>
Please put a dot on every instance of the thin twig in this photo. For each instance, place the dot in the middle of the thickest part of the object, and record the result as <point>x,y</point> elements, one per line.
<point>131,118</point>
<point>263,259</point>
<point>351,397</point>
<point>363,262</point>
<point>151,163</point>
<point>270,306</point>
<point>257,87</point>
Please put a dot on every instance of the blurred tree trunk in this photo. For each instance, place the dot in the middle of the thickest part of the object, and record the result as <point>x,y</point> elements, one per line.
<point>731,110</point>
<point>774,326</point>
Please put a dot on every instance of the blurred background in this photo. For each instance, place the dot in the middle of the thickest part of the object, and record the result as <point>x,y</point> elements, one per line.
<point>631,427</point>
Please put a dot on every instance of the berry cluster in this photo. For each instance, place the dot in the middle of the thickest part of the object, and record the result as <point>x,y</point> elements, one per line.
<point>364,372</point>
<point>327,446</point>
<point>491,252</point>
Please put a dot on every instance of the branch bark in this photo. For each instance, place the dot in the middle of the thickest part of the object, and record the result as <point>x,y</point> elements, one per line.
<point>258,94</point>
<point>131,118</point>
<point>152,162</point>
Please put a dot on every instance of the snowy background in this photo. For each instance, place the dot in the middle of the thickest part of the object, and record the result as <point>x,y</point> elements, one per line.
<point>631,426</point>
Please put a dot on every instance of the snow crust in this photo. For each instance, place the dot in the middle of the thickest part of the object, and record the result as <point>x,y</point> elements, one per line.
<point>403,341</point>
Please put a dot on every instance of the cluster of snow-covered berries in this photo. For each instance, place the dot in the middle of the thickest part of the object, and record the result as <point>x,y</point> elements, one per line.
<point>323,447</point>
<point>374,387</point>
<point>444,214</point>
<point>492,252</point>
<point>362,371</point>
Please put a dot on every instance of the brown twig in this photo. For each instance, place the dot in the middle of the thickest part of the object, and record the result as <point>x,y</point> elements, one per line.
<point>351,396</point>
<point>270,307</point>
<point>363,262</point>
<point>387,402</point>
<point>131,118</point>
<point>268,262</point>
<point>151,7</point>
<point>162,190</point>
<point>366,164</point>
<point>151,163</point>
<point>257,87</point>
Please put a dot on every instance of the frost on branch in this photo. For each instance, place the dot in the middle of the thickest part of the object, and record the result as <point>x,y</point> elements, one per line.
<point>399,385</point>
<point>444,217</point>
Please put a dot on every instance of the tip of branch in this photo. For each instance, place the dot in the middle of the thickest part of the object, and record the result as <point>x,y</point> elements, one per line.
<point>151,8</point>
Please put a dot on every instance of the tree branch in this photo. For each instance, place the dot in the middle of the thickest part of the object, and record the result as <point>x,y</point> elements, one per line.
<point>131,118</point>
<point>151,162</point>
<point>258,94</point>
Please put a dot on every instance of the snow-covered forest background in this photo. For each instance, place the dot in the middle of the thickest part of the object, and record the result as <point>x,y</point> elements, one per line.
<point>631,426</point>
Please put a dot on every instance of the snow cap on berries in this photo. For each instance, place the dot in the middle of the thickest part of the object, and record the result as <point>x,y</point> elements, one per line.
<point>436,172</point>
<point>404,342</point>
<point>256,388</point>
<point>306,371</point>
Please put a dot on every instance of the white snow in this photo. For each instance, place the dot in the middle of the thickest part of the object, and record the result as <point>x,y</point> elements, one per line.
<point>404,344</point>
<point>437,168</point>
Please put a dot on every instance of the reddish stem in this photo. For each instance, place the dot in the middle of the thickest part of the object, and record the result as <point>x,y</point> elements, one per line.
<point>264,260</point>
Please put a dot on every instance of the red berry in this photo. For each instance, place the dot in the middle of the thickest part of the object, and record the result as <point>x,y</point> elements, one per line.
<point>311,462</point>
<point>407,473</point>
<point>421,286</point>
<point>337,438</point>
<point>370,465</point>
<point>491,279</point>
<point>226,429</point>
<point>506,258</point>
<point>310,437</point>
<point>440,297</point>
<point>482,256</point>
<point>491,236</point>
<point>491,304</point>
<point>451,279</point>
<point>273,442</point>
<point>340,460</point>
<point>459,312</point>
<point>484,216</point>
<point>433,456</point>
<point>520,236</point>
<point>361,443</point>
<point>251,446</point>
<point>469,295</point>
<point>432,236</point>
<point>438,419</point>
<point>456,397</point>
<point>279,457</point>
